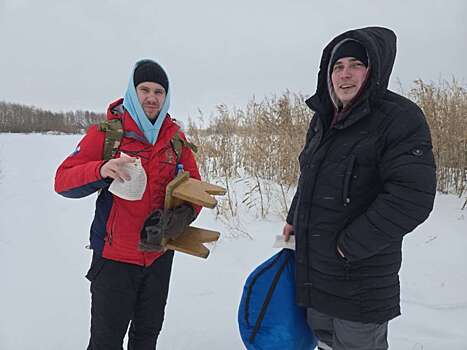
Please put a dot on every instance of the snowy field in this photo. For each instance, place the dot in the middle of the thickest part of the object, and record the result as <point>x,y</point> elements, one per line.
<point>44,297</point>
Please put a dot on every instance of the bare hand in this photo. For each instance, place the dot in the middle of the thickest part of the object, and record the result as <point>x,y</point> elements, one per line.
<point>287,231</point>
<point>115,169</point>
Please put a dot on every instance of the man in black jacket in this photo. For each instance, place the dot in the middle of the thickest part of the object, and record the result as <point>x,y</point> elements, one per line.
<point>367,178</point>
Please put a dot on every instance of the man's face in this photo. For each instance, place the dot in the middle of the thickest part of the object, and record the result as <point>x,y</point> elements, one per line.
<point>151,96</point>
<point>348,75</point>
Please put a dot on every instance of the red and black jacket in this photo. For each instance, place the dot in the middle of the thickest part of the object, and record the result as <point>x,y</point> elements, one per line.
<point>115,230</point>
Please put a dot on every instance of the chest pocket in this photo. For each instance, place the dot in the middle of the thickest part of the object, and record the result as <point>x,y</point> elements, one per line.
<point>361,176</point>
<point>168,156</point>
<point>348,177</point>
<point>162,166</point>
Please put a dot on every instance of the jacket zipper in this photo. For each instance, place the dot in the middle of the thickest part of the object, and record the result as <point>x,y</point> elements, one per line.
<point>347,180</point>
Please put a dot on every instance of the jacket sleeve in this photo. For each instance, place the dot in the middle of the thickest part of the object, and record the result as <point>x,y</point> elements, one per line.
<point>79,174</point>
<point>310,138</point>
<point>188,160</point>
<point>408,175</point>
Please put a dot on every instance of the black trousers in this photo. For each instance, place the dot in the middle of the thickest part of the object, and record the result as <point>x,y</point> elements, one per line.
<point>122,293</point>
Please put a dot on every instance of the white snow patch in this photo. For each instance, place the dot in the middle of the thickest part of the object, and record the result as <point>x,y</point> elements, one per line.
<point>44,297</point>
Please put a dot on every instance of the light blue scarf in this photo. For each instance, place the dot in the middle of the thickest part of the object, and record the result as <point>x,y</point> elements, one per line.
<point>132,105</point>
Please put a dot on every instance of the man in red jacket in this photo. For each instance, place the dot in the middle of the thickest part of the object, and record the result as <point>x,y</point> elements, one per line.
<point>129,276</point>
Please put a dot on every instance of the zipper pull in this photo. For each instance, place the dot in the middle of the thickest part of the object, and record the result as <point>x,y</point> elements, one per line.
<point>179,168</point>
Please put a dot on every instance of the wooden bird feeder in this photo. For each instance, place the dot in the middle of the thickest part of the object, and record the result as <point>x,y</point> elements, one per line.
<point>186,189</point>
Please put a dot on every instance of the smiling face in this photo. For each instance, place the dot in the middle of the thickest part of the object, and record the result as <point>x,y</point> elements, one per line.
<point>348,76</point>
<point>151,96</point>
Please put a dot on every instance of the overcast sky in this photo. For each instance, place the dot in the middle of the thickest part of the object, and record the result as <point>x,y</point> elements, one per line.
<point>67,55</point>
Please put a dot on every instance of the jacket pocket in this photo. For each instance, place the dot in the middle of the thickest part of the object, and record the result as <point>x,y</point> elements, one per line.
<point>349,170</point>
<point>112,223</point>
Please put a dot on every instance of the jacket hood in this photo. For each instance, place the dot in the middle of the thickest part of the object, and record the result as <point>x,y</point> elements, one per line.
<point>380,44</point>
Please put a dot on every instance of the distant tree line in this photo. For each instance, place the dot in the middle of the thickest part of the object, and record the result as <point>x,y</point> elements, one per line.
<point>17,118</point>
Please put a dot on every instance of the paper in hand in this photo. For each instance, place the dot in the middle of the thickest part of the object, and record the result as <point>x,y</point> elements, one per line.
<point>132,190</point>
<point>281,243</point>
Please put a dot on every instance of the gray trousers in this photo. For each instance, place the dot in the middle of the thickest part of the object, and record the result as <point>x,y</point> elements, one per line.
<point>336,334</point>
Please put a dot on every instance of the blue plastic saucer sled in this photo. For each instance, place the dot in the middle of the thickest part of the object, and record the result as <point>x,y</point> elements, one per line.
<point>268,317</point>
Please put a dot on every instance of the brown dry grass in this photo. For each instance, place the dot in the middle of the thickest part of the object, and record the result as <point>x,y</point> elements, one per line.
<point>445,107</point>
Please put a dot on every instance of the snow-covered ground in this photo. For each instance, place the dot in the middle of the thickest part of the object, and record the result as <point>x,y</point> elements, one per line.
<point>44,297</point>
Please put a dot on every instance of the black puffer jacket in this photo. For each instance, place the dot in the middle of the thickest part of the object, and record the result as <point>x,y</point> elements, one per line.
<point>364,184</point>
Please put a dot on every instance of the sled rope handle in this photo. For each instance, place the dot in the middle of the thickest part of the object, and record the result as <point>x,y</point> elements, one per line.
<point>250,287</point>
<point>268,298</point>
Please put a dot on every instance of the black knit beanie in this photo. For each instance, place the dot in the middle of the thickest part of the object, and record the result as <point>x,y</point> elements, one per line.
<point>350,48</point>
<point>151,71</point>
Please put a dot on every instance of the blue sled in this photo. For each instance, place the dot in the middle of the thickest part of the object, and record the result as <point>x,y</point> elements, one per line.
<point>268,317</point>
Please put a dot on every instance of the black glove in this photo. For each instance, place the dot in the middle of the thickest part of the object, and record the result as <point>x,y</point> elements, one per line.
<point>163,225</point>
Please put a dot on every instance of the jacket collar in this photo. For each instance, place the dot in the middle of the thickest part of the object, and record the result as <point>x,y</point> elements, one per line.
<point>131,130</point>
